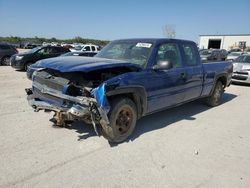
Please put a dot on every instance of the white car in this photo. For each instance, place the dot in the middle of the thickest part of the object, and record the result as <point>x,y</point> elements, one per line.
<point>241,69</point>
<point>233,55</point>
<point>86,48</point>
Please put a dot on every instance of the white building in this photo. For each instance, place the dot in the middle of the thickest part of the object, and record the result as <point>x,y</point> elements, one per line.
<point>226,42</point>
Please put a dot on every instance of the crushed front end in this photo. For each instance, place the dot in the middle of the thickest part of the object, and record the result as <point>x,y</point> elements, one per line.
<point>72,96</point>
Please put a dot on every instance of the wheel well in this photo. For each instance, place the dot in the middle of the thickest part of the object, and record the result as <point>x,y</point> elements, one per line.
<point>28,62</point>
<point>135,98</point>
<point>223,80</point>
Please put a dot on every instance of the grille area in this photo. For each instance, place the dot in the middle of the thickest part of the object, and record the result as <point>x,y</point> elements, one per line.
<point>50,81</point>
<point>56,83</point>
<point>243,73</point>
<point>239,77</point>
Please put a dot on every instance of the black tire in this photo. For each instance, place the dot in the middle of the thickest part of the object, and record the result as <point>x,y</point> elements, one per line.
<point>215,98</point>
<point>122,117</point>
<point>27,65</point>
<point>5,61</point>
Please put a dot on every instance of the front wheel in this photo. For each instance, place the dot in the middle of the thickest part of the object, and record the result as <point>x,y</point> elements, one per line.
<point>122,117</point>
<point>215,98</point>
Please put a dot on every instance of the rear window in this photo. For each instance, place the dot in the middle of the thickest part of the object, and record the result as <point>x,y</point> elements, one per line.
<point>205,52</point>
<point>190,55</point>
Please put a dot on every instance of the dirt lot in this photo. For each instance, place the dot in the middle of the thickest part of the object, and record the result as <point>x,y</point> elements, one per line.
<point>188,146</point>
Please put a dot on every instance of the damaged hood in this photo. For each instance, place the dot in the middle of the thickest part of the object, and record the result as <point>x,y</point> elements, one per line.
<point>82,64</point>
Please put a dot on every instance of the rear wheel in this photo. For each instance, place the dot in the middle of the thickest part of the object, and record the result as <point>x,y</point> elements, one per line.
<point>123,117</point>
<point>215,98</point>
<point>5,61</point>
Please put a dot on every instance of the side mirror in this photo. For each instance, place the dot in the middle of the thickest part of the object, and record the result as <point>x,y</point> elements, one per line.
<point>163,65</point>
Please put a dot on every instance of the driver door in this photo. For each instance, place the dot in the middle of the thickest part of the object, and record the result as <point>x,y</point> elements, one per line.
<point>165,87</point>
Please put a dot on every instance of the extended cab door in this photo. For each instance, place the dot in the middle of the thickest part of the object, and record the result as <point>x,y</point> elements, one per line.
<point>165,87</point>
<point>193,71</point>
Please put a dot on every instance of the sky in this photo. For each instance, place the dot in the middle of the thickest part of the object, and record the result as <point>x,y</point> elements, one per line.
<point>116,19</point>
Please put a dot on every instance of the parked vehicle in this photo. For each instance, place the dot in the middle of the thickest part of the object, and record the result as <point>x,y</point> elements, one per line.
<point>30,46</point>
<point>86,48</point>
<point>213,55</point>
<point>233,55</point>
<point>23,60</point>
<point>241,69</point>
<point>6,51</point>
<point>86,54</point>
<point>125,81</point>
<point>32,68</point>
<point>235,50</point>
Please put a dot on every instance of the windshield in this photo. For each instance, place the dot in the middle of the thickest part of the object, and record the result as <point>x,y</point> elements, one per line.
<point>234,54</point>
<point>78,47</point>
<point>243,59</point>
<point>133,51</point>
<point>34,49</point>
<point>205,52</point>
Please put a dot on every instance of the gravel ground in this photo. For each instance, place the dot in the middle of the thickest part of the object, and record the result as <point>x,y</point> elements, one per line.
<point>188,146</point>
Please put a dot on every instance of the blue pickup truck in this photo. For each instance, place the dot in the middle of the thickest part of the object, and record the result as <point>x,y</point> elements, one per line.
<point>125,81</point>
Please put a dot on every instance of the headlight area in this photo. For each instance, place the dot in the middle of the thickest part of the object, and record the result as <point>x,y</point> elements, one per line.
<point>18,58</point>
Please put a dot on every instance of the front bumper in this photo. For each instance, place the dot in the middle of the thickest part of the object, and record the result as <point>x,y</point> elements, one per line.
<point>241,77</point>
<point>38,105</point>
<point>78,108</point>
<point>18,65</point>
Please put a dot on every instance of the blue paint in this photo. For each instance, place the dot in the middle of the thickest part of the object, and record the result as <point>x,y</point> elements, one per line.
<point>100,96</point>
<point>163,88</point>
<point>82,64</point>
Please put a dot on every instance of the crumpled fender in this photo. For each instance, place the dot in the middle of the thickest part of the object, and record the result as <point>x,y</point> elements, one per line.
<point>102,103</point>
<point>100,95</point>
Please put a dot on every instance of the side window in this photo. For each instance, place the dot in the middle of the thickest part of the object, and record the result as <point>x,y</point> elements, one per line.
<point>42,51</point>
<point>52,50</point>
<point>87,48</point>
<point>58,50</point>
<point>169,52</point>
<point>190,55</point>
<point>93,48</point>
<point>46,51</point>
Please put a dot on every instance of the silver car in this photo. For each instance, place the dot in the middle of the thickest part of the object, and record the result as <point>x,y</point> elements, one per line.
<point>241,69</point>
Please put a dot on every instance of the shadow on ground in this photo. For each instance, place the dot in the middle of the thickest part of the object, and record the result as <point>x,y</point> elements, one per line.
<point>155,121</point>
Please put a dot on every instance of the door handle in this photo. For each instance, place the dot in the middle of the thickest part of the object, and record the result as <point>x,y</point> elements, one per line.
<point>183,75</point>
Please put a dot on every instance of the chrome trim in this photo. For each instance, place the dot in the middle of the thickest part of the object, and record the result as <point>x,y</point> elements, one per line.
<point>46,90</point>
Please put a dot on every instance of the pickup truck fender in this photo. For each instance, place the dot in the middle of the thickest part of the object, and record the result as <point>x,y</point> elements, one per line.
<point>220,77</point>
<point>137,94</point>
